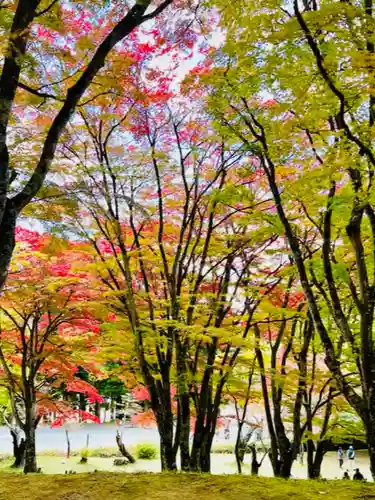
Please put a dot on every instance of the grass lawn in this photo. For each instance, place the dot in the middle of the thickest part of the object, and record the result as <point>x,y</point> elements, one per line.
<point>104,486</point>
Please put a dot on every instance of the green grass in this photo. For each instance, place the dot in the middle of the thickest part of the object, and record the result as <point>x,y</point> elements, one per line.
<point>100,486</point>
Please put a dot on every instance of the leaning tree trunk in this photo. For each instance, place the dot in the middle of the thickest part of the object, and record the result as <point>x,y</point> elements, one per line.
<point>124,452</point>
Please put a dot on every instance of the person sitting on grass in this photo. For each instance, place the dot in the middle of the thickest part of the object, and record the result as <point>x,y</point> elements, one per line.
<point>346,475</point>
<point>358,476</point>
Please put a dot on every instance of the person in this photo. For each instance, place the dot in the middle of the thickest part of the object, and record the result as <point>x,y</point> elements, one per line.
<point>340,457</point>
<point>358,476</point>
<point>351,456</point>
<point>301,450</point>
<point>227,432</point>
<point>346,475</point>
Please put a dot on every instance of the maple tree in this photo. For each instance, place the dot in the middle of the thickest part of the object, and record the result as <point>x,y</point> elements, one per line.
<point>53,53</point>
<point>170,242</point>
<point>312,135</point>
<point>46,332</point>
<point>227,219</point>
<point>295,389</point>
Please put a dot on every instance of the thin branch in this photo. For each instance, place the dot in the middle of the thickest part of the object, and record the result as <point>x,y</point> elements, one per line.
<point>44,11</point>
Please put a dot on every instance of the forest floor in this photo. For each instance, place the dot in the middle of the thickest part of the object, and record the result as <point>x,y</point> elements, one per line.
<point>103,486</point>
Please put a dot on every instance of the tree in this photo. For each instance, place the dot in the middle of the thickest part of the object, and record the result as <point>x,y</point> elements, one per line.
<point>241,394</point>
<point>315,132</point>
<point>32,30</point>
<point>174,259</point>
<point>47,331</point>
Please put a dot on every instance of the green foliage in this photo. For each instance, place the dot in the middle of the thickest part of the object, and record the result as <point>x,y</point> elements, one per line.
<point>146,451</point>
<point>85,453</point>
<point>223,449</point>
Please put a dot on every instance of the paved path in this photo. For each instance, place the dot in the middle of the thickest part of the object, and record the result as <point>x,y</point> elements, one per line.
<point>100,436</point>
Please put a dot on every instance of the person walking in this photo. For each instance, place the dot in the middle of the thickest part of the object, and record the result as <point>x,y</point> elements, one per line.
<point>227,431</point>
<point>351,457</point>
<point>340,457</point>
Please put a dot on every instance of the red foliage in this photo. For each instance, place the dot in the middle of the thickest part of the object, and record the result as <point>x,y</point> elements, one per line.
<point>141,394</point>
<point>82,387</point>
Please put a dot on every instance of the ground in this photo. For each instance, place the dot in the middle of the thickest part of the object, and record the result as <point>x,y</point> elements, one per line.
<point>101,486</point>
<point>102,437</point>
<point>101,459</point>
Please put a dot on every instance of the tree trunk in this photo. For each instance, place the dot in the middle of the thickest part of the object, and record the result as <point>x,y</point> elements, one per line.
<point>314,461</point>
<point>239,450</point>
<point>202,445</point>
<point>255,465</point>
<point>206,452</point>
<point>370,434</point>
<point>164,420</point>
<point>97,409</point>
<point>286,463</point>
<point>30,451</point>
<point>167,452</point>
<point>67,444</point>
<point>82,402</point>
<point>185,432</point>
<point>184,402</point>
<point>7,239</point>
<point>18,449</point>
<point>124,452</point>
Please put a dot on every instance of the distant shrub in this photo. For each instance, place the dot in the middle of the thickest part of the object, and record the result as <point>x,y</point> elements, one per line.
<point>225,449</point>
<point>146,451</point>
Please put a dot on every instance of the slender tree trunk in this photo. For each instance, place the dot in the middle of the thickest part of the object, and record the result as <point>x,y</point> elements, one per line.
<point>184,405</point>
<point>67,444</point>
<point>239,449</point>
